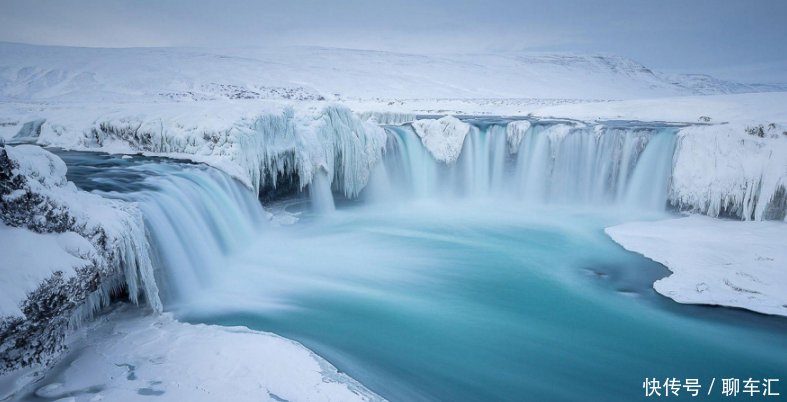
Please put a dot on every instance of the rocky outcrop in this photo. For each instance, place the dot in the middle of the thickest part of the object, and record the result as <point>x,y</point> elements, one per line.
<point>36,196</point>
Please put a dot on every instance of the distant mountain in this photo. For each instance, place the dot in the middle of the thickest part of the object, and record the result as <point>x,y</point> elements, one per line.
<point>46,73</point>
<point>703,84</point>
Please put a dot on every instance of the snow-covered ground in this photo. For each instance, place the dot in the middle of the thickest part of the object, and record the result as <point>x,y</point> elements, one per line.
<point>739,108</point>
<point>308,73</point>
<point>53,252</point>
<point>714,261</point>
<point>183,362</point>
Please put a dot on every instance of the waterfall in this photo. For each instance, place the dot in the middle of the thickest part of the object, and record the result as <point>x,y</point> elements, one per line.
<point>648,186</point>
<point>554,162</point>
<point>320,193</point>
<point>195,216</point>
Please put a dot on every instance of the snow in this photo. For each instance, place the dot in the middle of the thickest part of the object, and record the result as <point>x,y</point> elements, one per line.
<point>46,73</point>
<point>184,362</point>
<point>253,141</point>
<point>714,261</point>
<point>442,137</point>
<point>745,109</point>
<point>740,108</point>
<point>95,217</point>
<point>723,170</point>
<point>29,258</point>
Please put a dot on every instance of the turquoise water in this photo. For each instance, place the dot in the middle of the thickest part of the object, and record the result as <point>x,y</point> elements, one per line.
<point>478,301</point>
<point>487,280</point>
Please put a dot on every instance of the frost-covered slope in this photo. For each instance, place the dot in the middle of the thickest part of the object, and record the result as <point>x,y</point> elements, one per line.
<point>302,73</point>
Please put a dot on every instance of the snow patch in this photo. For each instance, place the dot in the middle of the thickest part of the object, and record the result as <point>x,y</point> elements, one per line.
<point>714,261</point>
<point>29,258</point>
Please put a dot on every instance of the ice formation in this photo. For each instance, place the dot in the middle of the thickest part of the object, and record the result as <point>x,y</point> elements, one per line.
<point>258,148</point>
<point>389,118</point>
<point>443,137</point>
<point>721,170</point>
<point>515,131</point>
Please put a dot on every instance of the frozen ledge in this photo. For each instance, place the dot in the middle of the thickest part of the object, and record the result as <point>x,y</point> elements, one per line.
<point>443,137</point>
<point>714,261</point>
<point>128,357</point>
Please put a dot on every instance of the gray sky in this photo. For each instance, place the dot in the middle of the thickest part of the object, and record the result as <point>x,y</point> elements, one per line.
<point>744,40</point>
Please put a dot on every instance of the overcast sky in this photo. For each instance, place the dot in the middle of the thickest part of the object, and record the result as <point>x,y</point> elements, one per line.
<point>744,40</point>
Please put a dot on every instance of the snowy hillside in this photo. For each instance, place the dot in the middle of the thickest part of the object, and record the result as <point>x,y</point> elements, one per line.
<point>38,73</point>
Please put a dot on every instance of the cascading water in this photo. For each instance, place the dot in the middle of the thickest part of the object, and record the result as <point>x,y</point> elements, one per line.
<point>195,216</point>
<point>459,301</point>
<point>555,162</point>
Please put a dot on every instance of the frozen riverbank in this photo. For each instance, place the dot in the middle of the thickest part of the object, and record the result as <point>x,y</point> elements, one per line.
<point>713,261</point>
<point>184,362</point>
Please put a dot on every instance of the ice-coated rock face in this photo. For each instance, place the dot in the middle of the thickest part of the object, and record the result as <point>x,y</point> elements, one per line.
<point>390,118</point>
<point>106,239</point>
<point>722,170</point>
<point>515,131</point>
<point>442,137</point>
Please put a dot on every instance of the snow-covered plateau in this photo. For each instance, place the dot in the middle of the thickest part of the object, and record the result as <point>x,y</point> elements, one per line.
<point>45,73</point>
<point>332,121</point>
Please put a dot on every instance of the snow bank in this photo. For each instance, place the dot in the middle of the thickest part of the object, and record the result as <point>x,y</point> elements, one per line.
<point>73,250</point>
<point>713,261</point>
<point>723,170</point>
<point>443,137</point>
<point>29,258</point>
<point>183,362</point>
